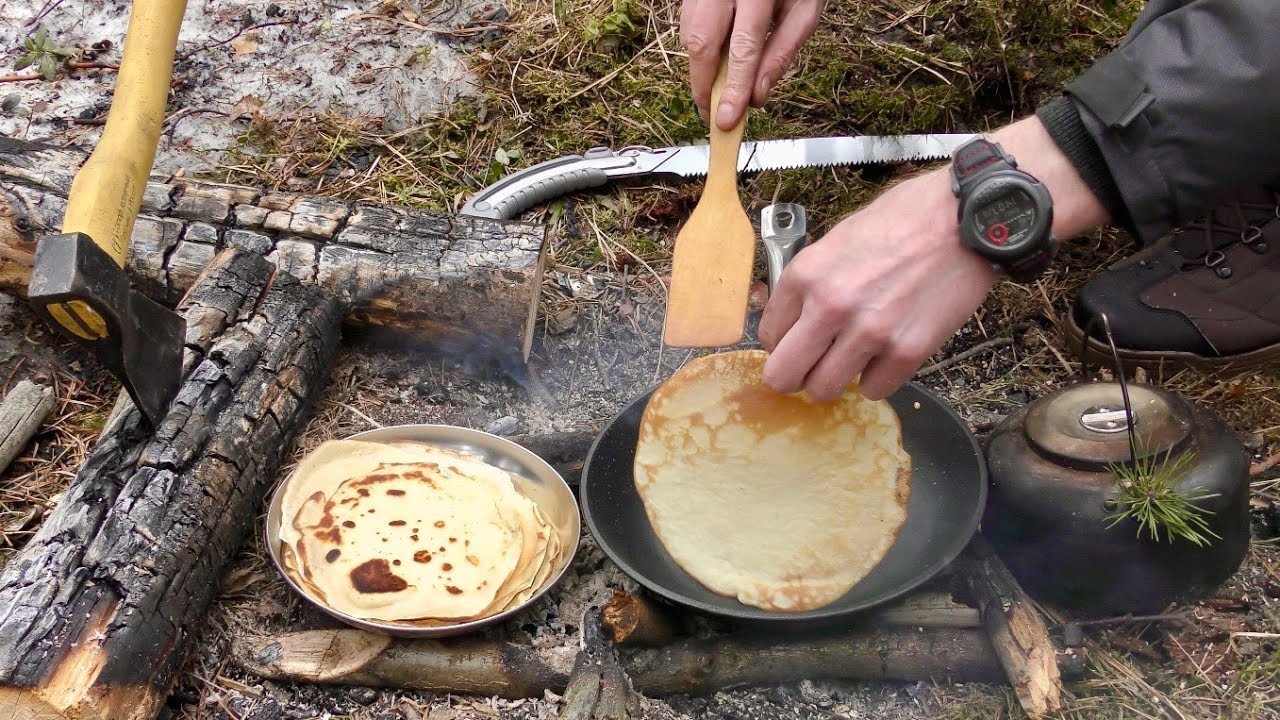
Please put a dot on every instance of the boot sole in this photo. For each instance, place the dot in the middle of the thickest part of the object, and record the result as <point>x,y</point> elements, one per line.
<point>1098,353</point>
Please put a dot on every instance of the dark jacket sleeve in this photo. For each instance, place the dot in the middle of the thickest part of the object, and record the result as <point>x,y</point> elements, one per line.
<point>1183,115</point>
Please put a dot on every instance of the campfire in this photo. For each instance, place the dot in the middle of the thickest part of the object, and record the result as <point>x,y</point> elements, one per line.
<point>1032,520</point>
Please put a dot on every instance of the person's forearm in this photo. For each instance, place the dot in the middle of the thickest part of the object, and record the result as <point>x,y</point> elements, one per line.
<point>1076,209</point>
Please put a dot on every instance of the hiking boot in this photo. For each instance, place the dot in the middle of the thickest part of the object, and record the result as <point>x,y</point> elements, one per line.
<point>1207,295</point>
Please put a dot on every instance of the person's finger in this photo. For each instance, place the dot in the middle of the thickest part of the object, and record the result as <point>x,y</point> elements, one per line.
<point>781,310</point>
<point>750,27</point>
<point>703,30</point>
<point>792,30</point>
<point>889,371</point>
<point>839,367</point>
<point>797,352</point>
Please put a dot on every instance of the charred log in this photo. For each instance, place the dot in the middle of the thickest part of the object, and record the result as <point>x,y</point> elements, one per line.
<point>598,688</point>
<point>693,666</point>
<point>98,609</point>
<point>1018,633</point>
<point>464,283</point>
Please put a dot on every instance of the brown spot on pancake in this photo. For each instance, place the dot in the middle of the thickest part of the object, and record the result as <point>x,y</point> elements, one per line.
<point>332,555</point>
<point>453,589</point>
<point>362,492</point>
<point>439,523</point>
<point>375,576</point>
<point>333,535</point>
<point>413,538</point>
<point>447,567</point>
<point>397,523</point>
<point>453,539</point>
<point>422,556</point>
<point>395,493</point>
<point>348,524</point>
<point>395,562</point>
<point>473,560</point>
<point>371,479</point>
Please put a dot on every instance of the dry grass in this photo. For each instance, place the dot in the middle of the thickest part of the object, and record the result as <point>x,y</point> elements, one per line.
<point>34,482</point>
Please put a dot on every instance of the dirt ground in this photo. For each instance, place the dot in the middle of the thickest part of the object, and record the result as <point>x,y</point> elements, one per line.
<point>422,103</point>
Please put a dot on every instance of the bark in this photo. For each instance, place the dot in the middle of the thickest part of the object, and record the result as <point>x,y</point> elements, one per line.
<point>98,609</point>
<point>633,619</point>
<point>1018,633</point>
<point>598,688</point>
<point>24,410</point>
<point>466,284</point>
<point>694,666</point>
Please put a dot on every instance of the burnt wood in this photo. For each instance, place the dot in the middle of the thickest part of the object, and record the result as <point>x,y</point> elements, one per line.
<point>598,687</point>
<point>408,275</point>
<point>483,666</point>
<point>98,609</point>
<point>1018,634</point>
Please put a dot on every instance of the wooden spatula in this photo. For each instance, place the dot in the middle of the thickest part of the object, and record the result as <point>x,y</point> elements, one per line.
<point>711,266</point>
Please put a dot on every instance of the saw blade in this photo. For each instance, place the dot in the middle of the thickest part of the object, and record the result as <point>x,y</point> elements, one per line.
<point>763,155</point>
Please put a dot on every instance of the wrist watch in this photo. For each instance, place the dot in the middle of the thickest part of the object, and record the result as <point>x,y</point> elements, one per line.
<point>1005,214</point>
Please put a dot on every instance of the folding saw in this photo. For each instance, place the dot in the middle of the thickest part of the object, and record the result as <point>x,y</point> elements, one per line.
<point>525,188</point>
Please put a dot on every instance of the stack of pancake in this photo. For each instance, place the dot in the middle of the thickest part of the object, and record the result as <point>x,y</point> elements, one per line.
<point>412,534</point>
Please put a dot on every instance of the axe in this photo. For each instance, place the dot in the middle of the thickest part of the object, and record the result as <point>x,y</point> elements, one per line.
<point>78,280</point>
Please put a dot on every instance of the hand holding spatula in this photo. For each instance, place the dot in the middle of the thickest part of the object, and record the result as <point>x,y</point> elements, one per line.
<point>711,268</point>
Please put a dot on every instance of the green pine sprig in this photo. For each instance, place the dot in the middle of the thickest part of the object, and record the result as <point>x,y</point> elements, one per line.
<point>1147,493</point>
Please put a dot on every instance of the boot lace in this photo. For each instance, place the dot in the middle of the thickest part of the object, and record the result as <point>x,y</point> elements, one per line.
<point>1202,244</point>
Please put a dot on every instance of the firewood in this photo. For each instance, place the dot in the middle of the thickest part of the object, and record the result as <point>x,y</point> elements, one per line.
<point>24,410</point>
<point>461,284</point>
<point>98,609</point>
<point>598,688</point>
<point>481,666</point>
<point>1018,633</point>
<point>633,619</point>
<point>564,451</point>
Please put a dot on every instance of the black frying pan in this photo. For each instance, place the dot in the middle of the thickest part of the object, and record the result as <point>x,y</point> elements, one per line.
<point>948,493</point>
<point>948,489</point>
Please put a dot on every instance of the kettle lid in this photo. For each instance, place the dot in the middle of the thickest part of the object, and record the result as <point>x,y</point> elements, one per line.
<point>1084,424</point>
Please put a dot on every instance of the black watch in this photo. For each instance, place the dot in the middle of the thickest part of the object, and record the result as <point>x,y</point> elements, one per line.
<point>1005,214</point>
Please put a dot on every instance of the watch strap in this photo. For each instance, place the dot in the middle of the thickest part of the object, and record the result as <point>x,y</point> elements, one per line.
<point>1031,267</point>
<point>975,157</point>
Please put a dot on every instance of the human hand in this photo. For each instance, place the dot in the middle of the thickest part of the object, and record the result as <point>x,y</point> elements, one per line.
<point>875,297</point>
<point>757,57</point>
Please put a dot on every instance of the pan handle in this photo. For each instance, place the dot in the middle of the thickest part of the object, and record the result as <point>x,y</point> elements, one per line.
<point>782,232</point>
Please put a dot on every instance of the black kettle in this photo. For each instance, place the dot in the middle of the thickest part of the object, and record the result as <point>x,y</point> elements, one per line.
<point>1056,512</point>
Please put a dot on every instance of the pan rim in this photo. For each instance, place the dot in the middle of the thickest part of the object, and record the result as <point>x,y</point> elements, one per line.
<point>748,613</point>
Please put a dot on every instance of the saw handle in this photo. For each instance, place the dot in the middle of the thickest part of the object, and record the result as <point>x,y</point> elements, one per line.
<point>522,190</point>
<point>107,191</point>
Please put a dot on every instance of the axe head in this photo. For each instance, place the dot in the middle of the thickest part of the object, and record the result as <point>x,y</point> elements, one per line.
<point>79,290</point>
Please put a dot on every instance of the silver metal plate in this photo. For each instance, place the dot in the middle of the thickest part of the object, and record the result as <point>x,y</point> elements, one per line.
<point>532,476</point>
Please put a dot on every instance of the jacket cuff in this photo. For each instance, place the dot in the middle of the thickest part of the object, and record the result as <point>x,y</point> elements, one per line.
<point>1062,121</point>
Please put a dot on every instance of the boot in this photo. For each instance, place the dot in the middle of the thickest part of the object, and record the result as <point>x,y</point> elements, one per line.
<point>1207,295</point>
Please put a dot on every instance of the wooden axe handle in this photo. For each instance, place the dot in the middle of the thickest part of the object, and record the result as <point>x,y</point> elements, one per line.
<point>107,191</point>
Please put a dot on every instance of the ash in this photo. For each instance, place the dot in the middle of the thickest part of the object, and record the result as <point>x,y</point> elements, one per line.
<point>578,379</point>
<point>239,58</point>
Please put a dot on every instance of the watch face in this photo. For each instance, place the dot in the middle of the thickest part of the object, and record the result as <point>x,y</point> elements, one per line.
<point>1006,219</point>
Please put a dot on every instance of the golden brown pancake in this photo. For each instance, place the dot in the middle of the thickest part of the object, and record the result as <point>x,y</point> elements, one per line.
<point>775,500</point>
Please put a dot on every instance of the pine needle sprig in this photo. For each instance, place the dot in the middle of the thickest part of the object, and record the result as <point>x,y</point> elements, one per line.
<point>1147,493</point>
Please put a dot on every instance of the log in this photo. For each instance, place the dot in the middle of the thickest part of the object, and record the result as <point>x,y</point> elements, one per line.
<point>23,412</point>
<point>564,451</point>
<point>98,609</point>
<point>633,619</point>
<point>456,284</point>
<point>926,610</point>
<point>486,667</point>
<point>598,687</point>
<point>1018,633</point>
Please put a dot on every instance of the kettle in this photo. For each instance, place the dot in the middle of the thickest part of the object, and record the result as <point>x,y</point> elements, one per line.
<point>1061,478</point>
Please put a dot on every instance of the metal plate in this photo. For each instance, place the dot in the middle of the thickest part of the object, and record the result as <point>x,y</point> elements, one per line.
<point>948,496</point>
<point>532,476</point>
<point>1070,423</point>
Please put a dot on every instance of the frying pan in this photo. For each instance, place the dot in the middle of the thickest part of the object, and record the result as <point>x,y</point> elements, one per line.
<point>948,494</point>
